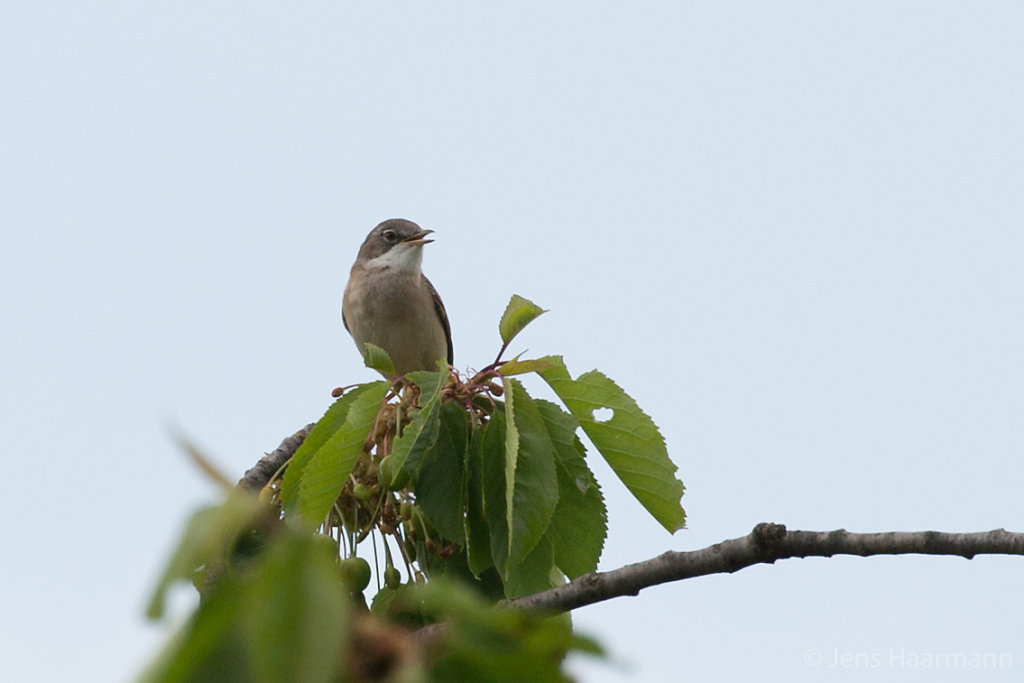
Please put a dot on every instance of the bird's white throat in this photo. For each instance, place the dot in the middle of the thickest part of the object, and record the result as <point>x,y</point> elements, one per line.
<point>402,257</point>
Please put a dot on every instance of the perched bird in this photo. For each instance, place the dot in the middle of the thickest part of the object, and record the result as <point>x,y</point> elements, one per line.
<point>390,303</point>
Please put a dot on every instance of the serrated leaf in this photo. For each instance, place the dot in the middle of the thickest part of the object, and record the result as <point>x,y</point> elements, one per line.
<point>325,428</point>
<point>518,314</point>
<point>492,470</point>
<point>378,359</point>
<point>511,462</point>
<point>440,488</point>
<point>419,436</point>
<point>520,483</point>
<point>533,574</point>
<point>521,367</point>
<point>629,441</point>
<point>536,480</point>
<point>579,525</point>
<point>324,476</point>
<point>478,541</point>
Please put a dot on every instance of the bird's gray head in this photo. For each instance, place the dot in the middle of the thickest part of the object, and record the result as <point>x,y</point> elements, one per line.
<point>395,243</point>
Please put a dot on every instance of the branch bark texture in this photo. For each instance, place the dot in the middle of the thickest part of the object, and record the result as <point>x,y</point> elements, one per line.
<point>260,473</point>
<point>764,545</point>
<point>767,543</point>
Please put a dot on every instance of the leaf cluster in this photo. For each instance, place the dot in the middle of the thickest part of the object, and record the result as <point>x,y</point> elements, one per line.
<point>474,477</point>
<point>470,479</point>
<point>289,617</point>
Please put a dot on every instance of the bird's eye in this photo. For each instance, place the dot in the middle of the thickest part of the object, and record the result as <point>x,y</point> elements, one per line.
<point>390,235</point>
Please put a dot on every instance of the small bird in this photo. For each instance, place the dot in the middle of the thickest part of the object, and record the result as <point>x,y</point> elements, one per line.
<point>389,302</point>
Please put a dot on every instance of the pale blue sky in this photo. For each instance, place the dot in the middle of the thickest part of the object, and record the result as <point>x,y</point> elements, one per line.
<point>793,231</point>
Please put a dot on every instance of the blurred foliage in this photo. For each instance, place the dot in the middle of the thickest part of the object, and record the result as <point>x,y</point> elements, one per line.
<point>481,491</point>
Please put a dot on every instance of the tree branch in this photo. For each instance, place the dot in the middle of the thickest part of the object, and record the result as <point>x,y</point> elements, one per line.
<point>764,545</point>
<point>260,473</point>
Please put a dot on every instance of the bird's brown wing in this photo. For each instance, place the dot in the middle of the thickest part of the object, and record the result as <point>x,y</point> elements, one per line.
<point>443,315</point>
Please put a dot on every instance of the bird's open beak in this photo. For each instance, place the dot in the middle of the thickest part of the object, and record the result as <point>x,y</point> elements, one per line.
<point>417,239</point>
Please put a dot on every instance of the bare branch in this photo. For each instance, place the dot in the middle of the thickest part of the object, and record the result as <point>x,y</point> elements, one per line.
<point>260,473</point>
<point>764,545</point>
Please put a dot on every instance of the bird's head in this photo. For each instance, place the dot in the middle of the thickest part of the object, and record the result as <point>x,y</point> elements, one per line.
<point>395,243</point>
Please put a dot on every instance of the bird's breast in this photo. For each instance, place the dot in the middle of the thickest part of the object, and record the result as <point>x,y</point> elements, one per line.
<point>395,311</point>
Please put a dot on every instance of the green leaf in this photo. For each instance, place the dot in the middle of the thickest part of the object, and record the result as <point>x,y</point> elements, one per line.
<point>440,489</point>
<point>206,648</point>
<point>378,359</point>
<point>478,541</point>
<point>579,525</point>
<point>419,436</point>
<point>521,367</point>
<point>293,616</point>
<point>324,476</point>
<point>536,481</point>
<point>327,427</point>
<point>511,462</point>
<point>518,314</point>
<point>282,619</point>
<point>519,481</point>
<point>492,483</point>
<point>630,441</point>
<point>533,574</point>
<point>495,645</point>
<point>207,539</point>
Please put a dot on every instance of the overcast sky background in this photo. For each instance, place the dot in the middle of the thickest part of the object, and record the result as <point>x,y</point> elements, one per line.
<point>793,231</point>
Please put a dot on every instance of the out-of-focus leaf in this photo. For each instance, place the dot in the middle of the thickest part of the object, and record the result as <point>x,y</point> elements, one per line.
<point>440,489</point>
<point>518,314</point>
<point>495,645</point>
<point>402,605</point>
<point>206,648</point>
<point>282,619</point>
<point>206,542</point>
<point>294,614</point>
<point>323,430</point>
<point>204,462</point>
<point>629,440</point>
<point>324,476</point>
<point>378,359</point>
<point>579,525</point>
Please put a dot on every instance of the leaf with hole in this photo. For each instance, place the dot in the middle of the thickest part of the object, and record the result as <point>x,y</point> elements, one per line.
<point>629,440</point>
